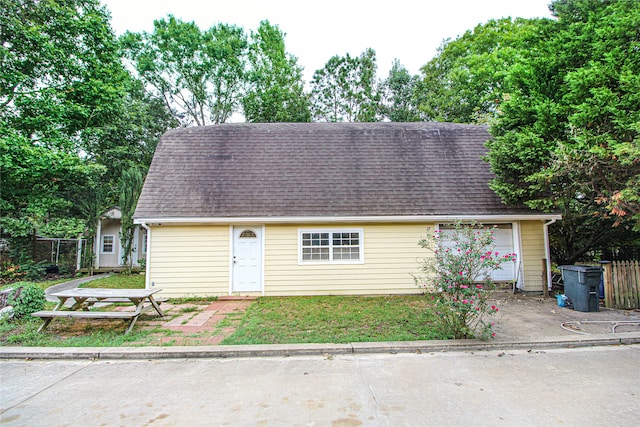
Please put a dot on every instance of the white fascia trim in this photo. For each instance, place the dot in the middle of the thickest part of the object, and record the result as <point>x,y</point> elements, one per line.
<point>343,219</point>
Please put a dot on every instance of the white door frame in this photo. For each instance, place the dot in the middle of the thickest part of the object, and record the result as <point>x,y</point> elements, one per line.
<point>232,228</point>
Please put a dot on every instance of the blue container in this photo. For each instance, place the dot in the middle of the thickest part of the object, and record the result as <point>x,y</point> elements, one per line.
<point>561,300</point>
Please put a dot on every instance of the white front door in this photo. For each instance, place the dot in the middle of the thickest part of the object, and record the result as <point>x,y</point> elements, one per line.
<point>247,259</point>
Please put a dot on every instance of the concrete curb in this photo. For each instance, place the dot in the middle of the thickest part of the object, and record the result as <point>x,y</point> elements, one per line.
<point>285,350</point>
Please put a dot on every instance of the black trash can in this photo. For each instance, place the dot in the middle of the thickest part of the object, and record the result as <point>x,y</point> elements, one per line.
<point>581,284</point>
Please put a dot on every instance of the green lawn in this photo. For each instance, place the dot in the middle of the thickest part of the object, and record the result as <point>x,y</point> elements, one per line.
<point>335,319</point>
<point>270,320</point>
<point>24,331</point>
<point>118,281</point>
<point>42,284</point>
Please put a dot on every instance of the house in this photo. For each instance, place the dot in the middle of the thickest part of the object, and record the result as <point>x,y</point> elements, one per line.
<point>108,250</point>
<point>320,208</point>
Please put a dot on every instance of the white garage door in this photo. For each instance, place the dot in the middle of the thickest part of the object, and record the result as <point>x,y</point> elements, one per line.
<point>503,245</point>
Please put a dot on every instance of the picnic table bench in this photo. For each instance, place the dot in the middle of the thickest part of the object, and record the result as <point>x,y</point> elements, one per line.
<point>84,298</point>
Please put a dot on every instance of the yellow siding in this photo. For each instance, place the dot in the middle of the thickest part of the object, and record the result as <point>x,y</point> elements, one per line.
<point>189,260</point>
<point>391,255</point>
<point>194,260</point>
<point>533,251</point>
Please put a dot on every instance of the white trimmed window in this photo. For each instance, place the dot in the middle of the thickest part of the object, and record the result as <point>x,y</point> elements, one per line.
<point>330,246</point>
<point>108,244</point>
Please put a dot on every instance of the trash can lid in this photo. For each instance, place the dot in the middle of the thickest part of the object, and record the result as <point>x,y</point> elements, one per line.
<point>581,268</point>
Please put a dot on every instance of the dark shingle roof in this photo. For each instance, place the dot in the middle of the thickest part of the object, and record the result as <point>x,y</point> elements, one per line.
<point>321,169</point>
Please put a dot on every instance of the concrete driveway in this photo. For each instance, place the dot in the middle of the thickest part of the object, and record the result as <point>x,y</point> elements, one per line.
<point>531,318</point>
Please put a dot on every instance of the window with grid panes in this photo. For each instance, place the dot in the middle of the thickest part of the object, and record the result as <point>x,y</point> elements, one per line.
<point>107,244</point>
<point>330,246</point>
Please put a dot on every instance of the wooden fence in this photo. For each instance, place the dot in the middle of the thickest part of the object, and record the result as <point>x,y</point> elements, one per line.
<point>622,284</point>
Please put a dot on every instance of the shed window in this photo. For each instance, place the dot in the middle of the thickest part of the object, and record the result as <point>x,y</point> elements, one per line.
<point>338,246</point>
<point>107,244</point>
<point>144,241</point>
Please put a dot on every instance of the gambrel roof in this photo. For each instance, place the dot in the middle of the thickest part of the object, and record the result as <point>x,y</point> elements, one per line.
<point>321,170</point>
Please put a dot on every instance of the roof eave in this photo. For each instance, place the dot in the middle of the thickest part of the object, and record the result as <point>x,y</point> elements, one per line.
<point>343,219</point>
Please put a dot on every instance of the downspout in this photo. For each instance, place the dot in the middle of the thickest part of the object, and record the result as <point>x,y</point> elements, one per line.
<point>148,256</point>
<point>547,251</point>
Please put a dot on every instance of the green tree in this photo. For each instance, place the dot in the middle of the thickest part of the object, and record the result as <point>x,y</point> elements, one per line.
<point>457,273</point>
<point>346,89</point>
<point>39,190</point>
<point>401,91</point>
<point>199,74</point>
<point>60,70</point>
<point>464,82</point>
<point>581,235</point>
<point>61,81</point>
<point>129,188</point>
<point>568,133</point>
<point>130,139</point>
<point>275,90</point>
<point>71,119</point>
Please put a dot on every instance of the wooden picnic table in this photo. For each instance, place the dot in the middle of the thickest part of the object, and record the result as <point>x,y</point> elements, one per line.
<point>84,298</point>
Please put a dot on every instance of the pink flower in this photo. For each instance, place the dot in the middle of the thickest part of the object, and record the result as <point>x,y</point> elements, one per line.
<point>464,287</point>
<point>493,334</point>
<point>479,286</point>
<point>464,301</point>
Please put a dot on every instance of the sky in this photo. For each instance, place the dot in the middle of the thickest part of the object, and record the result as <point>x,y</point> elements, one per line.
<point>407,30</point>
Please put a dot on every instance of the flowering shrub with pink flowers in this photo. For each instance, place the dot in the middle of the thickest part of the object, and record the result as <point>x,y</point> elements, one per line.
<point>458,278</point>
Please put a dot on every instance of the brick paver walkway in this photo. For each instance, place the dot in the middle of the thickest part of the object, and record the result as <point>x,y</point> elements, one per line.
<point>197,324</point>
